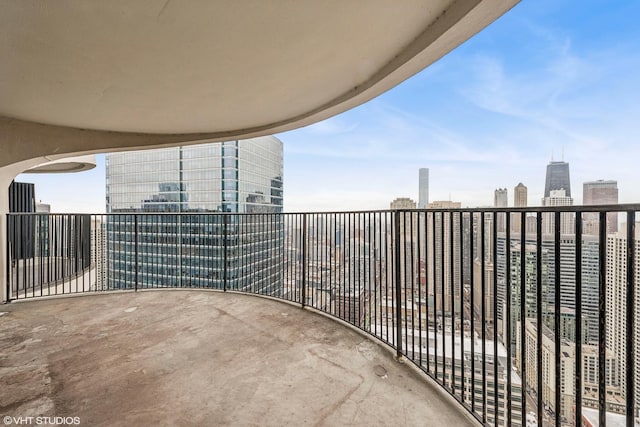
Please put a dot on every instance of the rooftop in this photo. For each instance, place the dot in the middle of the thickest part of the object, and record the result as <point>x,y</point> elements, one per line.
<point>202,357</point>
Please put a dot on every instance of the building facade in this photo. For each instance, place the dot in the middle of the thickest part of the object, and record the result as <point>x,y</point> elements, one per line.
<point>183,184</point>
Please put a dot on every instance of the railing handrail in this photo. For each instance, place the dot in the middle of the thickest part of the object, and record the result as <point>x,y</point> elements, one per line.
<point>611,208</point>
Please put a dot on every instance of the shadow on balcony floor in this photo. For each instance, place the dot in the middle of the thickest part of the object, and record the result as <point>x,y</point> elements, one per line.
<point>203,358</point>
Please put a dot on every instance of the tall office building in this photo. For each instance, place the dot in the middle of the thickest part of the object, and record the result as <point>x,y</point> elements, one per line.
<point>486,297</point>
<point>238,176</point>
<point>517,265</point>
<point>520,196</point>
<point>446,270</point>
<point>500,200</point>
<point>600,193</point>
<point>408,240</point>
<point>519,201</point>
<point>567,356</point>
<point>423,188</point>
<point>617,295</point>
<point>568,280</point>
<point>557,178</point>
<point>567,367</point>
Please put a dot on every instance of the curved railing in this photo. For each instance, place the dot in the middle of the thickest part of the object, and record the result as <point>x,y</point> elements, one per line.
<point>524,315</point>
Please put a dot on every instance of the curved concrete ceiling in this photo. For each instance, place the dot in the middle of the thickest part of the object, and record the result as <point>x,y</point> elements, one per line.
<point>158,72</point>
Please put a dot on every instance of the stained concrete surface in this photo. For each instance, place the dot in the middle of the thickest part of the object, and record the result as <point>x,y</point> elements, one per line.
<point>204,358</point>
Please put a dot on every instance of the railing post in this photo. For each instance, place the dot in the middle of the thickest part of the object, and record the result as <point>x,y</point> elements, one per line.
<point>631,301</point>
<point>7,266</point>
<point>398,277</point>
<point>578,321</point>
<point>602,319</point>
<point>135,236</point>
<point>225,221</point>
<point>304,260</point>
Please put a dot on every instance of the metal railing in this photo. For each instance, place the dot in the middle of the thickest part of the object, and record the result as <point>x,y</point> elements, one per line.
<point>526,316</point>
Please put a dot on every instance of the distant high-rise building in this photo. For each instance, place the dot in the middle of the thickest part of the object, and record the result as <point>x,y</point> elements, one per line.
<point>600,193</point>
<point>403,203</point>
<point>487,296</point>
<point>500,200</point>
<point>567,219</point>
<point>444,204</point>
<point>520,196</point>
<point>519,201</point>
<point>557,198</point>
<point>448,226</point>
<point>567,288</point>
<point>408,239</point>
<point>567,355</point>
<point>423,189</point>
<point>518,263</point>
<point>617,294</point>
<point>557,178</point>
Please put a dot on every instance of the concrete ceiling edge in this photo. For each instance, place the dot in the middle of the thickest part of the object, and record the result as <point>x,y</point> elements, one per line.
<point>25,140</point>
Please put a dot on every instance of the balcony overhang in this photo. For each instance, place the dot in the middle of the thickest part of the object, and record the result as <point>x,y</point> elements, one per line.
<point>85,77</point>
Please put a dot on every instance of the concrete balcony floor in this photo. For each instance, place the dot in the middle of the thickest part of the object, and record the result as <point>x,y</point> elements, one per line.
<point>204,358</point>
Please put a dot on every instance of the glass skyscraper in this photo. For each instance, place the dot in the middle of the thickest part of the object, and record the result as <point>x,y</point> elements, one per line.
<point>186,245</point>
<point>557,178</point>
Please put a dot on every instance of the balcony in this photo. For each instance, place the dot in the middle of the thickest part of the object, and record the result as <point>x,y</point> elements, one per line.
<point>203,358</point>
<point>468,296</point>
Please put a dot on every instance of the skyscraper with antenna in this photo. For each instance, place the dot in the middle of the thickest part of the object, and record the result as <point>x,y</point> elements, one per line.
<point>557,178</point>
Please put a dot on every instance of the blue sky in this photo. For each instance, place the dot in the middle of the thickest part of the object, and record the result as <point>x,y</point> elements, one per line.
<point>548,77</point>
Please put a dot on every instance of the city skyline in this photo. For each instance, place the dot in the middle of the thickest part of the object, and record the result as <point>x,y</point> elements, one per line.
<point>539,81</point>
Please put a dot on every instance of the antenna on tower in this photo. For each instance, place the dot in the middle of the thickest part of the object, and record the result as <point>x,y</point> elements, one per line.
<point>563,153</point>
<point>552,154</point>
